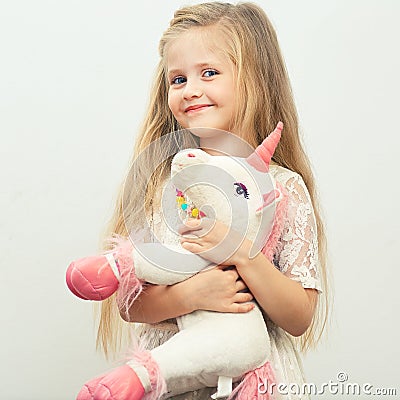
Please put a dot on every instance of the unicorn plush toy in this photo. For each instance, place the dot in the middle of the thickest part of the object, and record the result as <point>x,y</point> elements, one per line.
<point>211,348</point>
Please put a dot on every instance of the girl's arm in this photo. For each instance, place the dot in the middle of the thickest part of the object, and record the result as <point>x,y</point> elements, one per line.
<point>285,301</point>
<point>218,289</point>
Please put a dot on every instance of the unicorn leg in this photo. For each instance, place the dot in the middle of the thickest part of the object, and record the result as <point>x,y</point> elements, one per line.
<point>86,393</point>
<point>119,384</point>
<point>93,278</point>
<point>213,345</point>
<point>132,381</point>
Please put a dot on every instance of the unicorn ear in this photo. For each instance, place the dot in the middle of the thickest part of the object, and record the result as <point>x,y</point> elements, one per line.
<point>269,198</point>
<point>265,150</point>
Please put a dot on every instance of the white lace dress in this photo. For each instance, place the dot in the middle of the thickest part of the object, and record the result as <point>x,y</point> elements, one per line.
<point>297,258</point>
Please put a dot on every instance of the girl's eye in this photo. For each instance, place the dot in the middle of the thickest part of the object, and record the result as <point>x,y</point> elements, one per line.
<point>210,73</point>
<point>178,80</point>
<point>181,79</point>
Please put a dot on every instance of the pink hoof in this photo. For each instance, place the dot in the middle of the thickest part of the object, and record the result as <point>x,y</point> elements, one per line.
<point>92,278</point>
<point>87,392</point>
<point>84,394</point>
<point>120,384</point>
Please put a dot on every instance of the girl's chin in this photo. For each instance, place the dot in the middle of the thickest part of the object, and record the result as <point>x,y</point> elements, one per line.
<point>207,132</point>
<point>205,126</point>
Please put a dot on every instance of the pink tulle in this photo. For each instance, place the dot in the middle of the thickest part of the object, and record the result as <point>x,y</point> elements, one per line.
<point>138,352</point>
<point>130,286</point>
<point>254,383</point>
<point>158,384</point>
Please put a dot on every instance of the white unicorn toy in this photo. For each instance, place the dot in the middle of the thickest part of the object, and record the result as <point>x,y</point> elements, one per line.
<point>211,348</point>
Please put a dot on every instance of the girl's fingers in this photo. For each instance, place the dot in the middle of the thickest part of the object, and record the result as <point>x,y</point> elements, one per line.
<point>233,273</point>
<point>201,226</point>
<point>240,285</point>
<point>191,246</point>
<point>226,267</point>
<point>242,307</point>
<point>182,229</point>
<point>243,297</point>
<point>191,237</point>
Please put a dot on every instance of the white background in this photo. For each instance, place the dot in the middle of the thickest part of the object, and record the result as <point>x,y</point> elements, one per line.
<point>74,82</point>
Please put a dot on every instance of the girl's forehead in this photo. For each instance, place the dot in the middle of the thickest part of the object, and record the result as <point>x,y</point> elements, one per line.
<point>197,44</point>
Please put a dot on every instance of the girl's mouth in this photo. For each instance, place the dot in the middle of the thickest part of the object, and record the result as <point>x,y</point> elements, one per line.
<point>196,108</point>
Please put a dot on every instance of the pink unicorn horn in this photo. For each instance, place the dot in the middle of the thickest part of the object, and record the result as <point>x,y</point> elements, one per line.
<point>266,149</point>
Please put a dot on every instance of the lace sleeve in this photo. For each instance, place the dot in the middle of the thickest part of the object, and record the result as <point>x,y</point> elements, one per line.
<point>297,255</point>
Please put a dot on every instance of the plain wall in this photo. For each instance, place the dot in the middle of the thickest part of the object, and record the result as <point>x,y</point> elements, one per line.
<point>74,83</point>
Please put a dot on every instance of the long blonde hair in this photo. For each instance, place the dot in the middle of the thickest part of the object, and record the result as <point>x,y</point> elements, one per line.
<point>263,97</point>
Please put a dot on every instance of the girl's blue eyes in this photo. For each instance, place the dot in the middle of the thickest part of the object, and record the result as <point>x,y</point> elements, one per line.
<point>181,79</point>
<point>211,71</point>
<point>178,80</point>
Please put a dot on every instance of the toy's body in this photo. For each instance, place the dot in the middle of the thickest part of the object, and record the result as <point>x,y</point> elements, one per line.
<point>211,348</point>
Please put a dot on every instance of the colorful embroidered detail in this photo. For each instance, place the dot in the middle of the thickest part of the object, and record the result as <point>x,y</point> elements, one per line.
<point>241,189</point>
<point>190,209</point>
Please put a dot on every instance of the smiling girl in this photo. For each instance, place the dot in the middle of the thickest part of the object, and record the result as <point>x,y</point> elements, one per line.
<point>221,68</point>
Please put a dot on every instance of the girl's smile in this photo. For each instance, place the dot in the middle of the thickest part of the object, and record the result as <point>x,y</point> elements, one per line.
<point>196,108</point>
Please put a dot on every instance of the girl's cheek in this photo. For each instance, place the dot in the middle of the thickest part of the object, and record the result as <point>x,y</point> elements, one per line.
<point>171,101</point>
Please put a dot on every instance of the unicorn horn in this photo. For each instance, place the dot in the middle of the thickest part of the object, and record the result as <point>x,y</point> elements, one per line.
<point>266,149</point>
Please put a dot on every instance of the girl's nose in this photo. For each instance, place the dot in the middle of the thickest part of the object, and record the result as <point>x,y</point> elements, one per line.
<point>192,90</point>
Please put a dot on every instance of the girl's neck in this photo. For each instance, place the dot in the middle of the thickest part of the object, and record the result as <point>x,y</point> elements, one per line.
<point>226,144</point>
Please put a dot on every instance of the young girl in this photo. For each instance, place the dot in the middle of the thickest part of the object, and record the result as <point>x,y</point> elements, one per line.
<point>221,67</point>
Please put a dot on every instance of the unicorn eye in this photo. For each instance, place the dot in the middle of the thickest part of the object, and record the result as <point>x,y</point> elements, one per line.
<point>241,190</point>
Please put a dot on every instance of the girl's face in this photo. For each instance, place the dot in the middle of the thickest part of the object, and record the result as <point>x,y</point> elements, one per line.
<point>201,81</point>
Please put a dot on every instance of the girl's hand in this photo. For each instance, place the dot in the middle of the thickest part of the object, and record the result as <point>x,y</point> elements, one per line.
<point>213,240</point>
<point>219,289</point>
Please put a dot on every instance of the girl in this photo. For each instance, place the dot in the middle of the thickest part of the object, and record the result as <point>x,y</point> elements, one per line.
<point>221,67</point>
